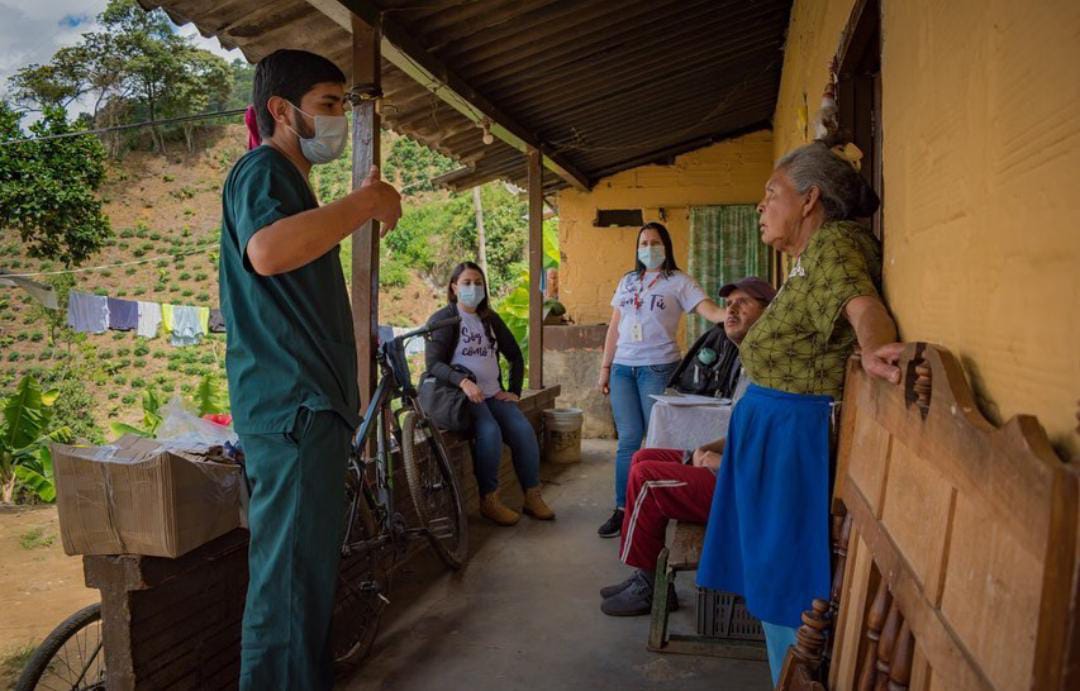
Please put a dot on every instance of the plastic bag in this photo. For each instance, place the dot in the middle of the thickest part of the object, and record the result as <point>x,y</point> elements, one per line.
<point>183,430</point>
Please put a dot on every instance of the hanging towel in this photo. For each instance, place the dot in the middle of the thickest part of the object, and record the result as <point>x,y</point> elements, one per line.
<point>167,317</point>
<point>217,321</point>
<point>123,314</point>
<point>149,319</point>
<point>204,320</point>
<point>88,313</point>
<point>39,291</point>
<point>187,325</point>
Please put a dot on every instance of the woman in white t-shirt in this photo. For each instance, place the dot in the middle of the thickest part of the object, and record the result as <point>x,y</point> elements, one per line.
<point>640,351</point>
<point>473,348</point>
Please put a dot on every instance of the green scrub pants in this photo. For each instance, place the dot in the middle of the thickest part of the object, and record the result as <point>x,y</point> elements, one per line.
<point>297,507</point>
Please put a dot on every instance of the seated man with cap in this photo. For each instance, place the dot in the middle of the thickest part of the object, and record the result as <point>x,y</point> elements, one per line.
<point>676,484</point>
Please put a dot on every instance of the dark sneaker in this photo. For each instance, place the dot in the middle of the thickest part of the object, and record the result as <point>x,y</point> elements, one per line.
<point>636,599</point>
<point>608,591</point>
<point>613,527</point>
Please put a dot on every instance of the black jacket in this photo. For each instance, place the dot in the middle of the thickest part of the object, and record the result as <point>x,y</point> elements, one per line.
<point>442,343</point>
<point>717,379</point>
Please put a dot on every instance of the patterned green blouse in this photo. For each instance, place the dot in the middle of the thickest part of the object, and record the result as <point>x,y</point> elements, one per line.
<point>802,341</point>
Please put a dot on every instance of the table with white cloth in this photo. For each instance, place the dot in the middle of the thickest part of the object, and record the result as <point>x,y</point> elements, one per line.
<point>679,421</point>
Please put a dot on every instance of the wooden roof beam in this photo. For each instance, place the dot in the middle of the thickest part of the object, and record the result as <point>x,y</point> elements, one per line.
<point>406,53</point>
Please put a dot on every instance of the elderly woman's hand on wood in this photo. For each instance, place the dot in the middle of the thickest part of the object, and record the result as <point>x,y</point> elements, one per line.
<point>881,362</point>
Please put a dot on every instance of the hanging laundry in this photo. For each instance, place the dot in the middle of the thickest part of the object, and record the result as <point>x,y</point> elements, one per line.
<point>204,319</point>
<point>217,321</point>
<point>167,317</point>
<point>39,291</point>
<point>186,324</point>
<point>88,313</point>
<point>123,314</point>
<point>149,319</point>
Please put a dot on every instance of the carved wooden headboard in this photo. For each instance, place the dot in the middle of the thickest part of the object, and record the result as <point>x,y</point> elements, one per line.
<point>956,546</point>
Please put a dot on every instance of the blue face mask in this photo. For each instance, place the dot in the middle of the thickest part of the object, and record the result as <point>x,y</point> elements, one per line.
<point>331,135</point>
<point>652,256</point>
<point>470,295</point>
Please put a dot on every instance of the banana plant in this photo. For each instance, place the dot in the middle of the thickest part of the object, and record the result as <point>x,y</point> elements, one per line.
<point>25,436</point>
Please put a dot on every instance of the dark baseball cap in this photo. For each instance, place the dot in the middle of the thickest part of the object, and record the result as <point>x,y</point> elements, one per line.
<point>752,286</point>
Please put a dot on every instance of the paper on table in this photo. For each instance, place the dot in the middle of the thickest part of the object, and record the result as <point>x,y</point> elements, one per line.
<point>689,399</point>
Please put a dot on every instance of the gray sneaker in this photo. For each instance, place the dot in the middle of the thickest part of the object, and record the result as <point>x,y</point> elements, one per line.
<point>609,590</point>
<point>636,599</point>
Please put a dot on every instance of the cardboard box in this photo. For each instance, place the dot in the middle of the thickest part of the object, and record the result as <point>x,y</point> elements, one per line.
<point>137,497</point>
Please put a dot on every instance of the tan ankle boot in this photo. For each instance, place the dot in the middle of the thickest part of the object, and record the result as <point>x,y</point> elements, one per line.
<point>492,508</point>
<point>535,506</point>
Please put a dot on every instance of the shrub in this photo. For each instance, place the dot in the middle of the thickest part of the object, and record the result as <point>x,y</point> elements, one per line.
<point>139,291</point>
<point>138,383</point>
<point>137,253</point>
<point>128,399</point>
<point>105,354</point>
<point>159,354</point>
<point>200,277</point>
<point>139,362</point>
<point>127,233</point>
<point>167,178</point>
<point>155,236</point>
<point>185,276</point>
<point>13,356</point>
<point>130,271</point>
<point>141,348</point>
<point>118,336</point>
<point>202,298</point>
<point>113,395</point>
<point>101,291</point>
<point>187,292</point>
<point>119,380</point>
<point>36,337</point>
<point>122,352</point>
<point>105,273</point>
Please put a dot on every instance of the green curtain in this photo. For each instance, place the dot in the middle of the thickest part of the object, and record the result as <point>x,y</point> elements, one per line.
<point>724,246</point>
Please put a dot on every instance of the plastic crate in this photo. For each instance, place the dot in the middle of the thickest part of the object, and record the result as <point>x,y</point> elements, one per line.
<point>724,615</point>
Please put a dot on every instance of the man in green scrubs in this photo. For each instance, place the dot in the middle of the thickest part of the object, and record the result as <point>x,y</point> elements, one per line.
<point>291,362</point>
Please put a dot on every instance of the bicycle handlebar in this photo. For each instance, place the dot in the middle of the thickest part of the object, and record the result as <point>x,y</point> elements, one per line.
<point>425,330</point>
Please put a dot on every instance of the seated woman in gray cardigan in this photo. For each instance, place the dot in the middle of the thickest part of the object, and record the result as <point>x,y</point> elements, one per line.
<point>475,346</point>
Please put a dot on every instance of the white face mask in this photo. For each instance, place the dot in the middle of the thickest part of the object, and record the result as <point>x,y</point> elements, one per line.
<point>652,256</point>
<point>470,295</point>
<point>331,135</point>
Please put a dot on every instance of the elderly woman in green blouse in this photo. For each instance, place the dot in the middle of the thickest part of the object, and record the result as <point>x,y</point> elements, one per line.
<point>768,532</point>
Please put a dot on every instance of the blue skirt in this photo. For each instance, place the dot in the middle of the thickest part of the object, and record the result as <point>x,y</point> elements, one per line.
<point>768,532</point>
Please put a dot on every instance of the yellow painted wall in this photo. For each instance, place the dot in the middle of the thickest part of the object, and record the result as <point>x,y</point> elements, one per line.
<point>981,128</point>
<point>594,259</point>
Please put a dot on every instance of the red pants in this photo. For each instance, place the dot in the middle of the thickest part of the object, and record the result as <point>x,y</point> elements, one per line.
<point>661,488</point>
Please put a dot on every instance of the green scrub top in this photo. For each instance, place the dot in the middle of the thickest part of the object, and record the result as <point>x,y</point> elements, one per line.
<point>290,336</point>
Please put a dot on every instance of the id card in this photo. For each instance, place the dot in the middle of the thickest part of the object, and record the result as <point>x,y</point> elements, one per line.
<point>637,332</point>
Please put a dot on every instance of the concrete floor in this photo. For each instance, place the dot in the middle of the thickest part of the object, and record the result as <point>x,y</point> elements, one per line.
<point>525,612</point>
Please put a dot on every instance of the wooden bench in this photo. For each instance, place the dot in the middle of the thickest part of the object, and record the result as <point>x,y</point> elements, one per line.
<point>684,555</point>
<point>957,559</point>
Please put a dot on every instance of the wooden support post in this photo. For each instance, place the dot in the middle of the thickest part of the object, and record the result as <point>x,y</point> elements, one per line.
<point>536,268</point>
<point>366,86</point>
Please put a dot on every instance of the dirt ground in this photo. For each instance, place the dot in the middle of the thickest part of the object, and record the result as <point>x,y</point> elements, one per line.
<point>39,584</point>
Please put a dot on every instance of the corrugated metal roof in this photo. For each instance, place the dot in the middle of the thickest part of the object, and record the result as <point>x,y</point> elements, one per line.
<point>605,85</point>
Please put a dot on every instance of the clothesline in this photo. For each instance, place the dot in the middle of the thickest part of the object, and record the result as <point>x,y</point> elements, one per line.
<point>104,267</point>
<point>185,324</point>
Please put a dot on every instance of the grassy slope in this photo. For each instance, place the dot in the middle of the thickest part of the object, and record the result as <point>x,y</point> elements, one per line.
<point>156,204</point>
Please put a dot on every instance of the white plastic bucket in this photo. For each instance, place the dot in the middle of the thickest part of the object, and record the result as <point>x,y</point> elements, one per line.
<point>562,435</point>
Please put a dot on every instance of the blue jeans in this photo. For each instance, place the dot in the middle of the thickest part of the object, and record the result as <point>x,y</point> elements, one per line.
<point>631,404</point>
<point>494,422</point>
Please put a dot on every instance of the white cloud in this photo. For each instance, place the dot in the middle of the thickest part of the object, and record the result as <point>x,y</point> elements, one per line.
<point>32,31</point>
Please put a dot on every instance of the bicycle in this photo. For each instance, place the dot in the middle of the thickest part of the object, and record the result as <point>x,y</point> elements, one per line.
<point>375,535</point>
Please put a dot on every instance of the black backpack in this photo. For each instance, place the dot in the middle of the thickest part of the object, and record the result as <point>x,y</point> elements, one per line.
<point>707,369</point>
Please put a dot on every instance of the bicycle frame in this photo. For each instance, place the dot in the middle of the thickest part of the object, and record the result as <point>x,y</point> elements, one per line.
<point>379,495</point>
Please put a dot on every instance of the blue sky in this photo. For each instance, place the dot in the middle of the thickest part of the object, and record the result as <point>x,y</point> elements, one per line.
<point>32,30</point>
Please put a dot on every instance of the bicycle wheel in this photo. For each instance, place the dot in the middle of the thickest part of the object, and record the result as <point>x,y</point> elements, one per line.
<point>71,657</point>
<point>363,581</point>
<point>434,489</point>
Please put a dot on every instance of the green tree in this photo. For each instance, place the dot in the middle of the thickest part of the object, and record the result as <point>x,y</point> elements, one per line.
<point>48,189</point>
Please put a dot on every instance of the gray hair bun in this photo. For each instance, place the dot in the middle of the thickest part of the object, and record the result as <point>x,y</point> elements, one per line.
<point>845,194</point>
